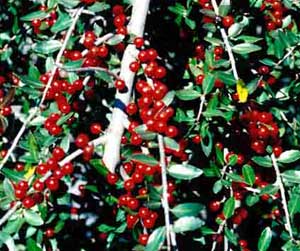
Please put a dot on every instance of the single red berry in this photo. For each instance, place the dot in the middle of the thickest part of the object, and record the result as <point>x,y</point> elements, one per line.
<point>227,21</point>
<point>138,42</point>
<point>197,139</point>
<point>95,128</point>
<point>134,66</point>
<point>120,84</point>
<point>117,10</point>
<point>277,150</point>
<point>52,184</point>
<point>42,169</point>
<point>133,204</point>
<point>129,184</point>
<point>243,243</point>
<point>38,186</point>
<point>58,153</point>
<point>143,239</point>
<point>214,206</point>
<point>112,178</point>
<point>67,168</point>
<point>264,70</point>
<point>28,202</point>
<point>199,79</point>
<point>49,233</point>
<point>82,140</point>
<point>144,212</point>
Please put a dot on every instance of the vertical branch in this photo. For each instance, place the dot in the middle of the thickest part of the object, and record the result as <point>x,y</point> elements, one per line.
<point>36,109</point>
<point>226,42</point>
<point>115,130</point>
<point>201,108</point>
<point>171,238</point>
<point>279,181</point>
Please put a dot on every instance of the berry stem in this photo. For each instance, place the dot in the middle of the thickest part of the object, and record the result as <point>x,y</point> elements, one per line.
<point>226,42</point>
<point>9,213</point>
<point>171,238</point>
<point>99,41</point>
<point>115,131</point>
<point>283,196</point>
<point>220,230</point>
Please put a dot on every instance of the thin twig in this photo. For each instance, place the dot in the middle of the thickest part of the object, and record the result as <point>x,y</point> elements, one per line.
<point>226,42</point>
<point>290,51</point>
<point>279,181</point>
<point>171,240</point>
<point>60,54</point>
<point>220,230</point>
<point>82,69</point>
<point>200,108</point>
<point>9,213</point>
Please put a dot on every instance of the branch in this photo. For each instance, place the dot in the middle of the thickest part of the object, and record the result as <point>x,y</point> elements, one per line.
<point>98,141</point>
<point>290,51</point>
<point>279,181</point>
<point>220,230</point>
<point>200,108</point>
<point>60,54</point>
<point>115,131</point>
<point>36,109</point>
<point>226,42</point>
<point>171,238</point>
<point>81,69</point>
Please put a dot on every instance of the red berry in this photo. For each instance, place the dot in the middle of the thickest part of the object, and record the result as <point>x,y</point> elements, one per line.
<point>95,128</point>
<point>243,243</point>
<point>277,150</point>
<point>199,79</point>
<point>28,202</point>
<point>120,84</point>
<point>58,153</point>
<point>264,70</point>
<point>49,232</point>
<point>38,186</point>
<point>131,220</point>
<point>143,239</point>
<point>129,185</point>
<point>138,42</point>
<point>214,206</point>
<point>144,212</point>
<point>133,204</point>
<point>82,140</point>
<point>52,184</point>
<point>227,21</point>
<point>67,168</point>
<point>112,178</point>
<point>197,139</point>
<point>117,10</point>
<point>42,169</point>
<point>134,66</point>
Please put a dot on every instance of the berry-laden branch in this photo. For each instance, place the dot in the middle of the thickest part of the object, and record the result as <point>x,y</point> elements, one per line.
<point>171,238</point>
<point>36,109</point>
<point>226,42</point>
<point>96,142</point>
<point>115,130</point>
<point>279,181</point>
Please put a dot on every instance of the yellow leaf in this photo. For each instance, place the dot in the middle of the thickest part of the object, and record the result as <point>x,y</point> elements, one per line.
<point>29,172</point>
<point>242,91</point>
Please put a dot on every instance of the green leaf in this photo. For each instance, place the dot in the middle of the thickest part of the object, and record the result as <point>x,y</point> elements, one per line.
<point>262,161</point>
<point>13,226</point>
<point>34,15</point>
<point>190,23</point>
<point>156,239</point>
<point>63,22</point>
<point>188,223</point>
<point>8,240</point>
<point>105,228</point>
<point>33,149</point>
<point>231,236</point>
<point>33,218</point>
<point>187,95</point>
<point>97,164</point>
<point>47,47</point>
<point>8,189</point>
<point>229,207</point>
<point>69,3</point>
<point>98,7</point>
<point>249,175</point>
<point>171,143</point>
<point>292,176</point>
<point>224,7</point>
<point>145,159</point>
<point>235,30</point>
<point>184,171</point>
<point>249,39</point>
<point>12,174</point>
<point>289,156</point>
<point>116,39</point>
<point>245,48</point>
<point>294,204</point>
<point>187,209</point>
<point>208,83</point>
<point>32,245</point>
<point>265,239</point>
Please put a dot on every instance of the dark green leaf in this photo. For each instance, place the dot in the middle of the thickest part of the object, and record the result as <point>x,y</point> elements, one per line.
<point>47,47</point>
<point>208,83</point>
<point>184,171</point>
<point>187,94</point>
<point>265,239</point>
<point>249,175</point>
<point>262,161</point>
<point>156,239</point>
<point>229,207</point>
<point>231,236</point>
<point>289,156</point>
<point>188,223</point>
<point>34,15</point>
<point>187,209</point>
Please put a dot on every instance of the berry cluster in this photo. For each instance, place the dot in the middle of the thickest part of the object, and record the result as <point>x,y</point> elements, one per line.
<point>45,23</point>
<point>262,130</point>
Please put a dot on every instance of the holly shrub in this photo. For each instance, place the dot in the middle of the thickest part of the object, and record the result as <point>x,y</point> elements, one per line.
<point>149,125</point>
